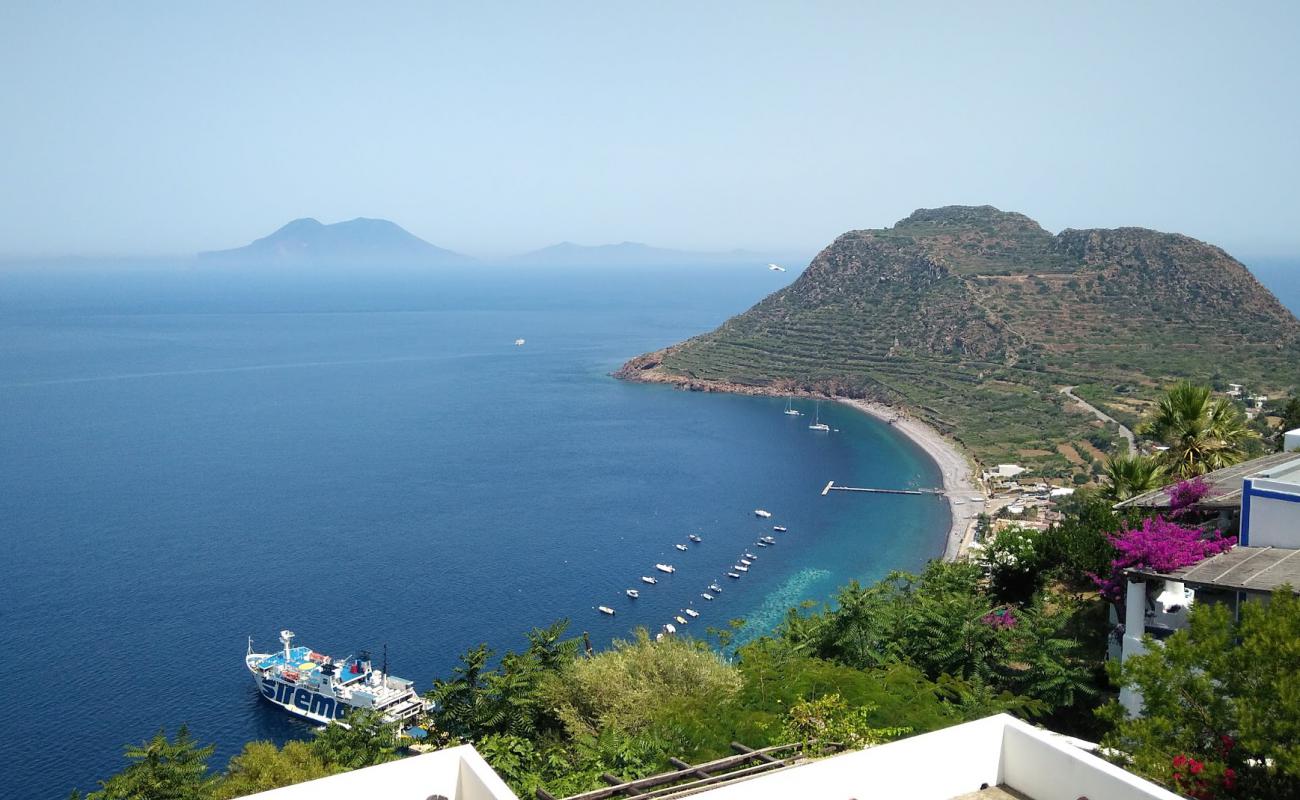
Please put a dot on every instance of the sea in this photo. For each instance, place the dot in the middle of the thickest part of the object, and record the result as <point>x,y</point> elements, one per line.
<point>191,459</point>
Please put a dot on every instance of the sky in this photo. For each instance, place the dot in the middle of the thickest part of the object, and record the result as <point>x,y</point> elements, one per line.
<point>150,128</point>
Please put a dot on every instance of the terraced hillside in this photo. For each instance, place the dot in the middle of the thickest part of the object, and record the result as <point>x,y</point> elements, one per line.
<point>974,319</point>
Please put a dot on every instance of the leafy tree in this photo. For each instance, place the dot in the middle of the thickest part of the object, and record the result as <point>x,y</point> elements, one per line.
<point>479,701</point>
<point>828,719</point>
<point>623,687</point>
<point>261,766</point>
<point>366,740</point>
<point>1131,475</point>
<point>1223,695</point>
<point>1012,561</point>
<point>1078,547</point>
<point>945,624</point>
<point>1202,432</point>
<point>162,769</point>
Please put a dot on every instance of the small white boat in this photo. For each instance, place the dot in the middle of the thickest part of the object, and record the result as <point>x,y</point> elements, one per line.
<point>740,568</point>
<point>715,587</point>
<point>519,342</point>
<point>750,556</point>
<point>694,538</point>
<point>818,425</point>
<point>780,528</point>
<point>669,628</point>
<point>790,409</point>
<point>707,596</point>
<point>768,539</point>
<point>761,543</point>
<point>747,562</point>
<point>665,567</point>
<point>692,613</point>
<point>605,610</point>
<point>680,546</point>
<point>680,619</point>
<point>648,579</point>
<point>758,512</point>
<point>776,268</point>
<point>633,593</point>
<point>733,574</point>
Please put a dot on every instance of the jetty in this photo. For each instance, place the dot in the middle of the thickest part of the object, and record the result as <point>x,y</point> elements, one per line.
<point>830,487</point>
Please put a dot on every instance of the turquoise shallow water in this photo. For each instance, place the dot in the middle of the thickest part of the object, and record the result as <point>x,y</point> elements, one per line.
<point>191,460</point>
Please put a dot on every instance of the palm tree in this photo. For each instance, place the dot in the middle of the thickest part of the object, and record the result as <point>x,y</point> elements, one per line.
<point>1131,475</point>
<point>1203,433</point>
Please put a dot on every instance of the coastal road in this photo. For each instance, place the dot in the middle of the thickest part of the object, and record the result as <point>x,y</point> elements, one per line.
<point>1068,391</point>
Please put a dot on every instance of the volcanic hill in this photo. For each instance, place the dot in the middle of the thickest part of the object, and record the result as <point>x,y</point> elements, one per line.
<point>975,319</point>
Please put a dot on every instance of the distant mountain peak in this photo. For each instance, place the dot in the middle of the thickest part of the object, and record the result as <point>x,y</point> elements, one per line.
<point>361,242</point>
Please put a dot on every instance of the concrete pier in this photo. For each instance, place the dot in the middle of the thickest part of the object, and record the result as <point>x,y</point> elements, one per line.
<point>830,486</point>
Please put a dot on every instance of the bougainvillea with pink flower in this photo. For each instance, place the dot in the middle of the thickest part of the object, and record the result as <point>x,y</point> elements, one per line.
<point>1185,494</point>
<point>1159,545</point>
<point>1001,618</point>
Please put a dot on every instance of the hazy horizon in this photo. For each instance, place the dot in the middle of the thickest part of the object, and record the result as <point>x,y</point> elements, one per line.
<point>489,130</point>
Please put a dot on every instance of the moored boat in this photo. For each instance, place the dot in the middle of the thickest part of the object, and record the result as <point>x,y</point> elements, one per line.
<point>680,619</point>
<point>733,574</point>
<point>648,579</point>
<point>758,512</point>
<point>694,538</point>
<point>715,587</point>
<point>322,689</point>
<point>633,593</point>
<point>707,596</point>
<point>680,546</point>
<point>779,528</point>
<point>665,568</point>
<point>605,610</point>
<point>692,613</point>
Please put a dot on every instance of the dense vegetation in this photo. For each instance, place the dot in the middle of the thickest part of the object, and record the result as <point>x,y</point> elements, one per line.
<point>1221,715</point>
<point>974,319</point>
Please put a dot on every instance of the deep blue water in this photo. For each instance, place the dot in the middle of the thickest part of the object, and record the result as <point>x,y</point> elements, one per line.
<point>190,460</point>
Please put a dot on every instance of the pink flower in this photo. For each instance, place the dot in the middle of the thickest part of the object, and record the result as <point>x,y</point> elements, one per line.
<point>1159,545</point>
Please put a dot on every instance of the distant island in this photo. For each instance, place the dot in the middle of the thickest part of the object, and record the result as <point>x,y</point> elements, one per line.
<point>359,242</point>
<point>369,243</point>
<point>979,322</point>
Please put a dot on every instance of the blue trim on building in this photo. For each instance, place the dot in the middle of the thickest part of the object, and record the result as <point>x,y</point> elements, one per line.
<point>1243,538</point>
<point>1249,491</point>
<point>1271,495</point>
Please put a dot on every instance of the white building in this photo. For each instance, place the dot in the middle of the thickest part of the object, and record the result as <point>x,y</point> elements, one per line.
<point>457,773</point>
<point>1006,471</point>
<point>995,758</point>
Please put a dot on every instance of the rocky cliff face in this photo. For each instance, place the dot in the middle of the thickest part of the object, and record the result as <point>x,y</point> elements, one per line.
<point>974,318</point>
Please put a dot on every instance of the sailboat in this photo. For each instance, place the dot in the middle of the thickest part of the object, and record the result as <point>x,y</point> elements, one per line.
<point>818,425</point>
<point>790,409</point>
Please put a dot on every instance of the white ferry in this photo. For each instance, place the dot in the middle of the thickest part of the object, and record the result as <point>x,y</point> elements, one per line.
<point>322,689</point>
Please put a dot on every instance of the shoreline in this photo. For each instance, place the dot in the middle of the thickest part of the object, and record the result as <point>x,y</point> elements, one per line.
<point>954,467</point>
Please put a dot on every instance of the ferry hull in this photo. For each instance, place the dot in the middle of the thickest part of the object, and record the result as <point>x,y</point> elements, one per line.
<point>301,701</point>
